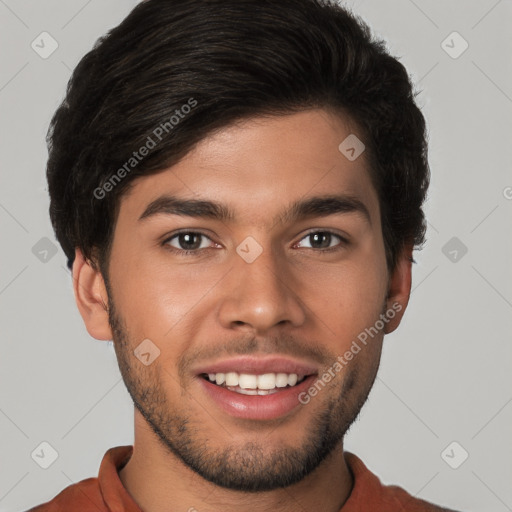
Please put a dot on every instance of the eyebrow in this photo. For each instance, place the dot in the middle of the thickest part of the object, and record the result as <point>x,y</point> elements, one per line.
<point>319,206</point>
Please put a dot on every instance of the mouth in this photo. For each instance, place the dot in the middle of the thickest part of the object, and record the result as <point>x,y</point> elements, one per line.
<point>256,388</point>
<point>252,384</point>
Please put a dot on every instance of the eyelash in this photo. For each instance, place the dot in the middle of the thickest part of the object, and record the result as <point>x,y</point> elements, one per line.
<point>197,252</point>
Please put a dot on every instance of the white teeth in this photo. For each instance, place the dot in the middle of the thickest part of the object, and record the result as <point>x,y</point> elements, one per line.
<point>267,381</point>
<point>246,381</point>
<point>253,391</point>
<point>250,384</point>
<point>292,379</point>
<point>245,391</point>
<point>282,380</point>
<point>231,379</point>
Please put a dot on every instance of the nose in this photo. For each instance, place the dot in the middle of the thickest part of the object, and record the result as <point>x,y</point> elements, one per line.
<point>261,295</point>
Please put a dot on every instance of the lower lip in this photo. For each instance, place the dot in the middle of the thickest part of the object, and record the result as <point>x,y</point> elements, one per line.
<point>256,407</point>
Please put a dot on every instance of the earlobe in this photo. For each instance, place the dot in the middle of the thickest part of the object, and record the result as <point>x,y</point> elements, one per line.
<point>91,297</point>
<point>399,289</point>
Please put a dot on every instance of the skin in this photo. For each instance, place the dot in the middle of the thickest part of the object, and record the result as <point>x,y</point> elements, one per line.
<point>293,300</point>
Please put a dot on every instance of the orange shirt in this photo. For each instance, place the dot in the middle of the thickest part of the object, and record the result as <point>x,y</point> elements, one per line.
<point>107,494</point>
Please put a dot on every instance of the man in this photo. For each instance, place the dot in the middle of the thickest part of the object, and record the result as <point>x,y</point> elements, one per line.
<point>238,187</point>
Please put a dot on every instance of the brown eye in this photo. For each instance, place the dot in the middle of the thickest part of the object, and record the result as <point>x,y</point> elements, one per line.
<point>187,242</point>
<point>322,240</point>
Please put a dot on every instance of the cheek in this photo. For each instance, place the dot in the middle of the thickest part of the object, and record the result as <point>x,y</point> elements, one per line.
<point>159,301</point>
<point>347,297</point>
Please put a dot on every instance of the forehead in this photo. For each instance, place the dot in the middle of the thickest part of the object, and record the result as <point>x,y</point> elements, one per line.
<point>258,166</point>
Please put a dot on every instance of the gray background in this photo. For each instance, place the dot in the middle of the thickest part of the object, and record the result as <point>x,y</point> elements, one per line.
<point>445,374</point>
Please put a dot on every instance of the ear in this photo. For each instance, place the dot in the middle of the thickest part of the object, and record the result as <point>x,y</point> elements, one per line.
<point>91,297</point>
<point>399,289</point>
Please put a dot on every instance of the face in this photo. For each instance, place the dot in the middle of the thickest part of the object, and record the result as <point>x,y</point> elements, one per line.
<point>247,303</point>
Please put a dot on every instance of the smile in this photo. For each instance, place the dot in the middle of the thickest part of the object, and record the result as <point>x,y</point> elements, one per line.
<point>256,388</point>
<point>251,384</point>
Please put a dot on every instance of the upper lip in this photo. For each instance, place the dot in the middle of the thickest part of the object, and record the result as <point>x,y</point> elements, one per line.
<point>258,366</point>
